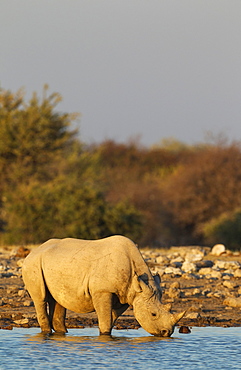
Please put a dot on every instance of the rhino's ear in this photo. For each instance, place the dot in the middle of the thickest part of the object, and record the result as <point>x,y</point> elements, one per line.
<point>136,284</point>
<point>167,307</point>
<point>140,286</point>
<point>145,288</point>
<point>157,279</point>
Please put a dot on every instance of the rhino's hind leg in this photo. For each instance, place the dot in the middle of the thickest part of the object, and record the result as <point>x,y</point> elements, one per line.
<point>57,314</point>
<point>42,316</point>
<point>38,294</point>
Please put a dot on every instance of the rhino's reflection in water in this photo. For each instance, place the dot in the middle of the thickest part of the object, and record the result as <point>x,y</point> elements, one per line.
<point>127,336</point>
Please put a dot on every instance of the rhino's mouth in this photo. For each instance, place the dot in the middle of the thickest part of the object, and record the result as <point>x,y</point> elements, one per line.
<point>163,333</point>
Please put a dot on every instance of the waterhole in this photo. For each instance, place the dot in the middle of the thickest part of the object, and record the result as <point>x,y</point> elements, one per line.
<point>203,348</point>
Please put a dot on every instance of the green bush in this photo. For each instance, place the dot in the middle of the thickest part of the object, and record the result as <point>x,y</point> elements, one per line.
<point>225,229</point>
<point>38,212</point>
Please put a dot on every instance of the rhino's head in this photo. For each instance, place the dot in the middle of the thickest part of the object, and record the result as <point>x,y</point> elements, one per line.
<point>153,316</point>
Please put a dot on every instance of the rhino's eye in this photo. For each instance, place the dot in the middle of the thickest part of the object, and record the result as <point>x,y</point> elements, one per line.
<point>153,314</point>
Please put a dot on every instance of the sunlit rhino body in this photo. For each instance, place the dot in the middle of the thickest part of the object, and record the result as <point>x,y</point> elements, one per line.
<point>105,276</point>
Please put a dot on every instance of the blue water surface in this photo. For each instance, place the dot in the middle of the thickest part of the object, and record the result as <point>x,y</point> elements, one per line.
<point>204,348</point>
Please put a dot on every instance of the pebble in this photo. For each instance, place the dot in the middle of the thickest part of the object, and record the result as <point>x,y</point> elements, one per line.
<point>184,330</point>
<point>173,270</point>
<point>205,271</point>
<point>28,303</point>
<point>233,302</point>
<point>21,293</point>
<point>188,267</point>
<point>237,273</point>
<point>194,256</point>
<point>193,315</point>
<point>162,260</point>
<point>6,327</point>
<point>226,265</point>
<point>21,321</point>
<point>229,284</point>
<point>216,274</point>
<point>197,291</point>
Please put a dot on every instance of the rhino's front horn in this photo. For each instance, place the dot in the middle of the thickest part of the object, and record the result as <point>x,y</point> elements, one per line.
<point>178,316</point>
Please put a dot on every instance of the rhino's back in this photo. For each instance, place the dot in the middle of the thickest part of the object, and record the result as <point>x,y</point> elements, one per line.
<point>102,258</point>
<point>85,251</point>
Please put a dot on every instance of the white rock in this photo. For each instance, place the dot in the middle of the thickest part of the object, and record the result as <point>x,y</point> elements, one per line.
<point>193,315</point>
<point>194,256</point>
<point>177,259</point>
<point>229,284</point>
<point>234,265</point>
<point>237,273</point>
<point>28,303</point>
<point>218,249</point>
<point>205,271</point>
<point>21,293</point>
<point>21,321</point>
<point>189,267</point>
<point>216,274</point>
<point>162,260</point>
<point>219,265</point>
<point>159,271</point>
<point>233,302</point>
<point>226,265</point>
<point>197,291</point>
<point>173,270</point>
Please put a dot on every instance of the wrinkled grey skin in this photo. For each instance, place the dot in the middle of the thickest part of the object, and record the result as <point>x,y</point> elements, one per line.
<point>105,276</point>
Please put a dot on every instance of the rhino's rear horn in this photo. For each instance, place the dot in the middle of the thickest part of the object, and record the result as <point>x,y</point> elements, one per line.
<point>178,316</point>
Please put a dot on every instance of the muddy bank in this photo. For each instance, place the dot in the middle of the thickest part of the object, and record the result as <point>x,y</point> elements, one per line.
<point>193,279</point>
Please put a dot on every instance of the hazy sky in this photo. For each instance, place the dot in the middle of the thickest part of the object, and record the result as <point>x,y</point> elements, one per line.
<point>148,68</point>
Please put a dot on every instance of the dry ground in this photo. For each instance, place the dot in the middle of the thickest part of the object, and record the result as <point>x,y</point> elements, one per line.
<point>16,308</point>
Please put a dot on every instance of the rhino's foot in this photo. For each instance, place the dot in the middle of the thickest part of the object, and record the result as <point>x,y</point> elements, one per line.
<point>59,327</point>
<point>46,331</point>
<point>60,331</point>
<point>107,333</point>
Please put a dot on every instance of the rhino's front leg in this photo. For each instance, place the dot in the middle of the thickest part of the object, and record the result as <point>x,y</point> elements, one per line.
<point>103,306</point>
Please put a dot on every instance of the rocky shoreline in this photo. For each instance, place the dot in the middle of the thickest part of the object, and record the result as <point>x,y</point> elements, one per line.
<point>205,282</point>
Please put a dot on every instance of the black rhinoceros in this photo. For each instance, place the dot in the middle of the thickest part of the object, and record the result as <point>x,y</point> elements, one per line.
<point>105,276</point>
